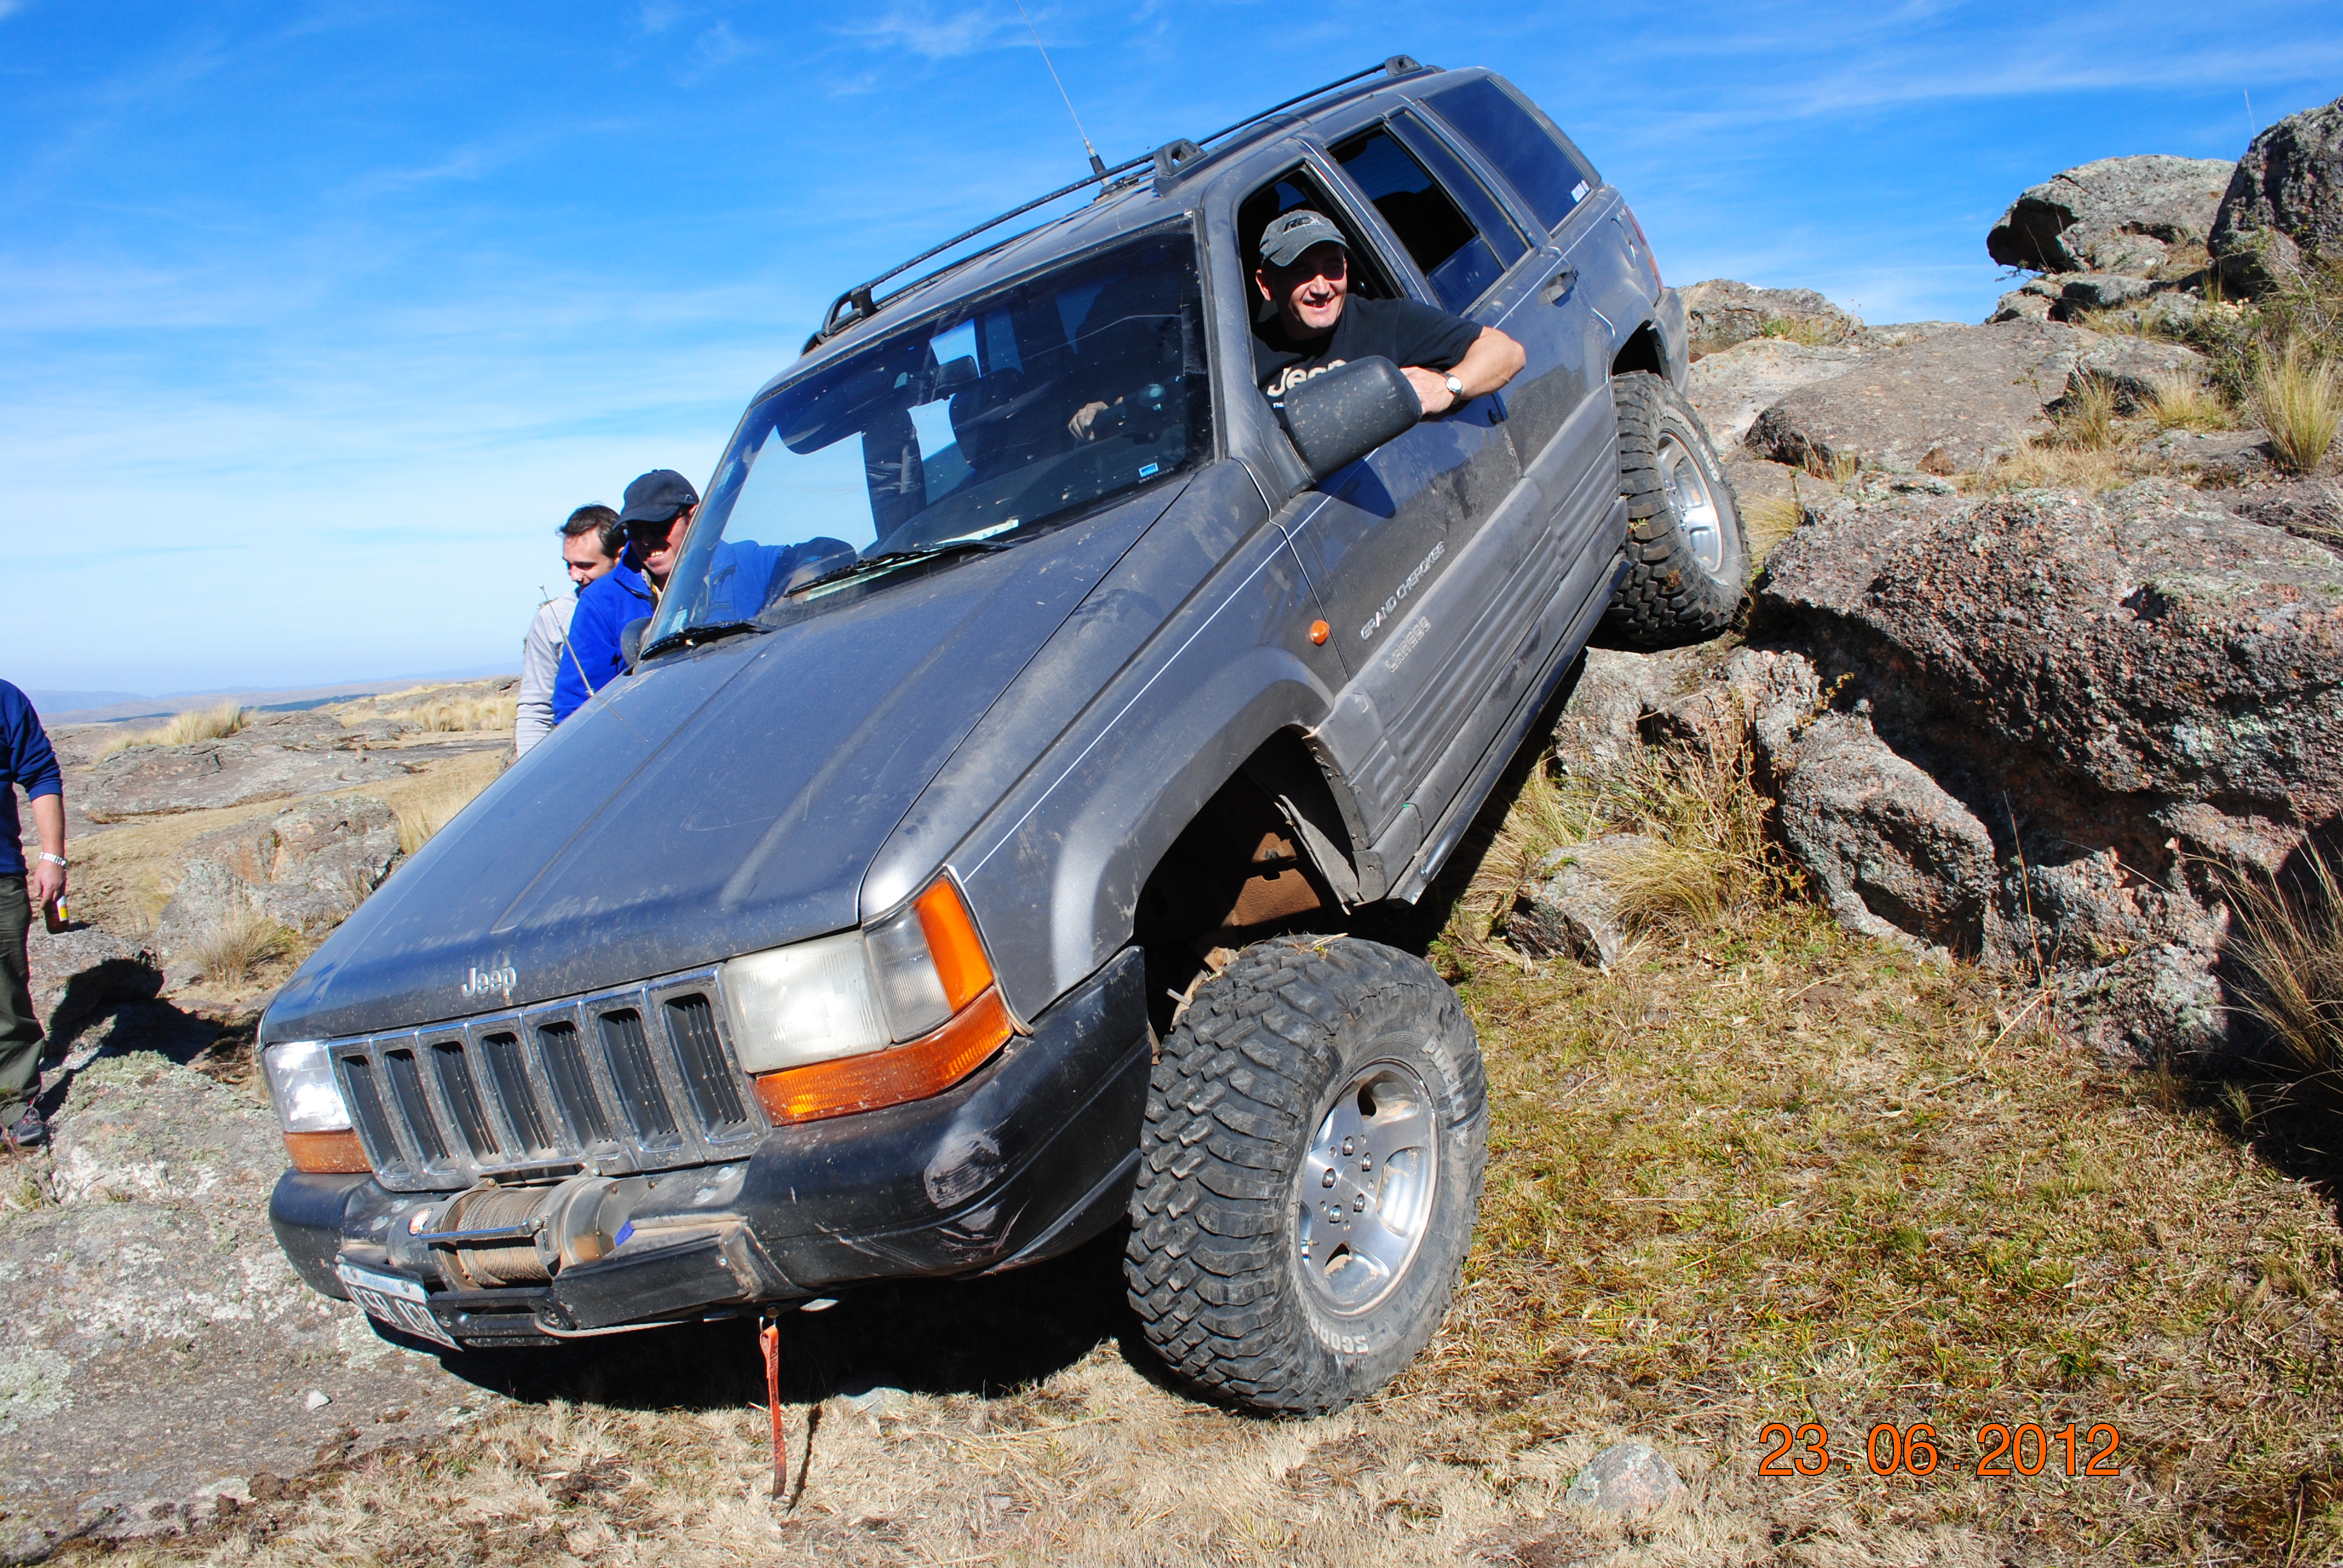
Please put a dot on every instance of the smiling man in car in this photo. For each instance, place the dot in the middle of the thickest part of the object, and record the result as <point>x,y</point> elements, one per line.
<point>1305,272</point>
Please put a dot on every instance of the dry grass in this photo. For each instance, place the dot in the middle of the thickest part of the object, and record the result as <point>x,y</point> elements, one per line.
<point>185,729</point>
<point>1769,520</point>
<point>2180,401</point>
<point>1704,858</point>
<point>1813,331</point>
<point>2055,466</point>
<point>238,945</point>
<point>2086,417</point>
<point>2290,944</point>
<point>458,715</point>
<point>1840,470</point>
<point>2299,398</point>
<point>422,812</point>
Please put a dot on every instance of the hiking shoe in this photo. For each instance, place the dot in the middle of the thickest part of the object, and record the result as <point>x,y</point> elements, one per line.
<point>29,1130</point>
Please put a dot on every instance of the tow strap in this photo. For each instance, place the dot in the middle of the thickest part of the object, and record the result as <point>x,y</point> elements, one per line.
<point>769,1338</point>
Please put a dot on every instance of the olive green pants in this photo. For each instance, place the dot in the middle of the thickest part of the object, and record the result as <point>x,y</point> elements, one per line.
<point>20,1031</point>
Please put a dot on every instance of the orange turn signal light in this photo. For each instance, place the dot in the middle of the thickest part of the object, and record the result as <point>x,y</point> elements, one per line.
<point>1320,631</point>
<point>952,944</point>
<point>326,1153</point>
<point>918,1070</point>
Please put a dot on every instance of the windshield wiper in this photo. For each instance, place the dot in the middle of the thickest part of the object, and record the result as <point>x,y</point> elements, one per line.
<point>890,559</point>
<point>696,634</point>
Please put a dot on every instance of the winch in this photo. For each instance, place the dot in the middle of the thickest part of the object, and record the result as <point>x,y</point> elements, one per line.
<point>496,1235</point>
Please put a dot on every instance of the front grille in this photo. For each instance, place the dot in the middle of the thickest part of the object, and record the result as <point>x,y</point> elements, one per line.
<point>641,1078</point>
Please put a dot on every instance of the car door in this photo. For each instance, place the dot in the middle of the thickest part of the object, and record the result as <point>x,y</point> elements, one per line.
<point>1395,550</point>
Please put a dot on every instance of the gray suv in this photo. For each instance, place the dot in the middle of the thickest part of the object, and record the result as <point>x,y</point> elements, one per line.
<point>964,868</point>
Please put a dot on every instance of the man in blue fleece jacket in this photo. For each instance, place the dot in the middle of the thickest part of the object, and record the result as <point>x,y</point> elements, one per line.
<point>655,516</point>
<point>26,762</point>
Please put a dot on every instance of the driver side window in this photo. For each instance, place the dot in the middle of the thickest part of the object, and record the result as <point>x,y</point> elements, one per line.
<point>1297,188</point>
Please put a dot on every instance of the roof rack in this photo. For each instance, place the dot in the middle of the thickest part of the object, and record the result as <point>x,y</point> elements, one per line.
<point>1172,161</point>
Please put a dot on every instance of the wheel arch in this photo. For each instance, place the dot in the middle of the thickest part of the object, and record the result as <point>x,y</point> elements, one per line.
<point>1644,350</point>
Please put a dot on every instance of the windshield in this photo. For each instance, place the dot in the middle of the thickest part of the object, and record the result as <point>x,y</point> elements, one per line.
<point>979,426</point>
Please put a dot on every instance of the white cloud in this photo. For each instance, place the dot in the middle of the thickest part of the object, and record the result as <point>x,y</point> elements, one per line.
<point>935,34</point>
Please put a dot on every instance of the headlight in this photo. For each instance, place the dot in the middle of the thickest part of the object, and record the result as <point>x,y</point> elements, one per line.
<point>899,1011</point>
<point>301,1083</point>
<point>809,1002</point>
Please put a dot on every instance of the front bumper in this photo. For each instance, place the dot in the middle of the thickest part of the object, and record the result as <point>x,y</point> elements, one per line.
<point>1028,1157</point>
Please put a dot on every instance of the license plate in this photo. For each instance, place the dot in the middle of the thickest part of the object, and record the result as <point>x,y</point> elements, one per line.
<point>402,1303</point>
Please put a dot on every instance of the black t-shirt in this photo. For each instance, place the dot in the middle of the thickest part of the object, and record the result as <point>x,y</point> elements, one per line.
<point>1401,330</point>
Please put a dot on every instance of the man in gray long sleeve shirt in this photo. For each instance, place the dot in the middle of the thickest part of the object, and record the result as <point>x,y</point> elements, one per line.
<point>590,542</point>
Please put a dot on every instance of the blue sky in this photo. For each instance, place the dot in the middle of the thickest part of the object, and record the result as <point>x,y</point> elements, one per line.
<point>315,319</point>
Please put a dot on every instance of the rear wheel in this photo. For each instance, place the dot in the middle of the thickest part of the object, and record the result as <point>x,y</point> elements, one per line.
<point>1687,557</point>
<point>1309,1174</point>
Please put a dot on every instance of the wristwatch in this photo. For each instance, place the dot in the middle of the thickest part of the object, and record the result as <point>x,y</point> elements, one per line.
<point>1455,389</point>
<point>52,859</point>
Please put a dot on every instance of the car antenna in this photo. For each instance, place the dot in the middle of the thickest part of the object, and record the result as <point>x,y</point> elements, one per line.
<point>1098,163</point>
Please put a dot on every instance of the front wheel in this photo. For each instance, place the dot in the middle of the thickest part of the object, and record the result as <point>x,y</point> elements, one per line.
<point>1687,557</point>
<point>1310,1174</point>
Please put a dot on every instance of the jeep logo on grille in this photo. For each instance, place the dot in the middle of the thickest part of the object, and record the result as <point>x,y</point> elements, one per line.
<point>491,982</point>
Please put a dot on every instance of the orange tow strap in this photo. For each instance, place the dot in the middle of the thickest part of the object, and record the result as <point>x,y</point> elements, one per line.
<point>769,1338</point>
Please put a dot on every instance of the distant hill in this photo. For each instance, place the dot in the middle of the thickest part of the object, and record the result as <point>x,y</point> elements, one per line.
<point>49,702</point>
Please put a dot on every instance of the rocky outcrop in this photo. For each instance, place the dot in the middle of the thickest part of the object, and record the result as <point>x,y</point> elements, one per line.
<point>1732,388</point>
<point>2141,645</point>
<point>1722,312</point>
<point>2036,730</point>
<point>2284,200</point>
<point>2144,216</point>
<point>277,757</point>
<point>1954,400</point>
<point>306,869</point>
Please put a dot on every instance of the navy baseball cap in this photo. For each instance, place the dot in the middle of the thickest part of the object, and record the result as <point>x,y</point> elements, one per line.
<point>1284,240</point>
<point>656,497</point>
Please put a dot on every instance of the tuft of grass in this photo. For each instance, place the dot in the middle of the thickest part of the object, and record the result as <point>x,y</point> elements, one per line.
<point>2301,401</point>
<point>458,715</point>
<point>1703,860</point>
<point>2288,942</point>
<point>2055,466</point>
<point>2087,422</point>
<point>186,729</point>
<point>1840,468</point>
<point>1769,520</point>
<point>2180,401</point>
<point>422,814</point>
<point>238,945</point>
<point>1813,331</point>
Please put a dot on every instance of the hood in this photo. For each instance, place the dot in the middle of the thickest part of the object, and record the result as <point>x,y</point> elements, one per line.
<point>720,801</point>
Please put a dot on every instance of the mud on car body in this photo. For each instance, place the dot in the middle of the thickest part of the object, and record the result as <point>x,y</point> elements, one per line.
<point>982,884</point>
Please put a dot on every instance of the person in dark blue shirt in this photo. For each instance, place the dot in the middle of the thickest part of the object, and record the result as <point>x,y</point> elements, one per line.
<point>27,762</point>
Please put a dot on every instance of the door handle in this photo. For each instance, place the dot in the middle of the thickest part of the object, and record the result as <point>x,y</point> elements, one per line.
<point>1557,287</point>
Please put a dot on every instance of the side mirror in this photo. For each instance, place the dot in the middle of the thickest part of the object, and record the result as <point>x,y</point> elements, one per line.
<point>630,641</point>
<point>1338,416</point>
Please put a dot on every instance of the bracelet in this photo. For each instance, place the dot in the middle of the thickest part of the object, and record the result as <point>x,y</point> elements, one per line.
<point>52,859</point>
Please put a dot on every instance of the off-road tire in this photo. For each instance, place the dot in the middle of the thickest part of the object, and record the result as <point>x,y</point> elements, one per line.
<point>1685,575</point>
<point>1254,1072</point>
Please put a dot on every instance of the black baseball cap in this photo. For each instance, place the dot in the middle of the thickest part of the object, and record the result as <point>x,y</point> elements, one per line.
<point>1284,240</point>
<point>656,497</point>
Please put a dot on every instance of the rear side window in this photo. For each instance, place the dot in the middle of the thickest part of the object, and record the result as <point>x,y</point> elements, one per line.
<point>1456,257</point>
<point>1523,150</point>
